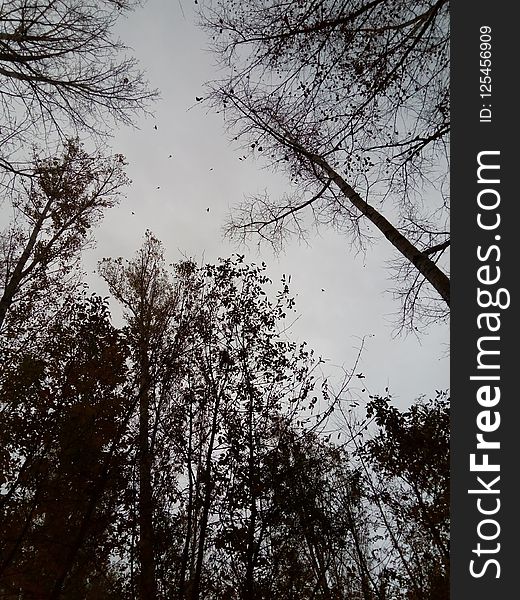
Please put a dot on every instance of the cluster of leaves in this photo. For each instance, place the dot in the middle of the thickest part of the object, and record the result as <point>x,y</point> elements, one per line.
<point>62,408</point>
<point>55,210</point>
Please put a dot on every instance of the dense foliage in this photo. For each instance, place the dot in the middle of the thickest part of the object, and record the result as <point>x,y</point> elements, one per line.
<point>172,458</point>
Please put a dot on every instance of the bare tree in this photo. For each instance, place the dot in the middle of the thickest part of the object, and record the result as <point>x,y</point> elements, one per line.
<point>351,98</point>
<point>62,67</point>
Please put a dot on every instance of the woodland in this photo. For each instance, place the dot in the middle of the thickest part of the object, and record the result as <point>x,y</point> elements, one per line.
<point>192,449</point>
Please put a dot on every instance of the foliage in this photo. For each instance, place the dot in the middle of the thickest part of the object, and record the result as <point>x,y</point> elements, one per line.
<point>172,458</point>
<point>409,459</point>
<point>62,408</point>
<point>54,212</point>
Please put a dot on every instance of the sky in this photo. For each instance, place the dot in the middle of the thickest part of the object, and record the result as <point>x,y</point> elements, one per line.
<point>181,162</point>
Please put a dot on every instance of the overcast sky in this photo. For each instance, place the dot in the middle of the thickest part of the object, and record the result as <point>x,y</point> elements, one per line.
<point>170,196</point>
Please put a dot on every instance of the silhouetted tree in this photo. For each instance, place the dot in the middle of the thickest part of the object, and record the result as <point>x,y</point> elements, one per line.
<point>149,300</point>
<point>249,376</point>
<point>54,212</point>
<point>62,407</point>
<point>410,458</point>
<point>185,455</point>
<point>352,100</point>
<point>63,71</point>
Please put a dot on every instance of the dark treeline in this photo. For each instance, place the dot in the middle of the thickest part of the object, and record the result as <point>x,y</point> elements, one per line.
<point>187,453</point>
<point>176,457</point>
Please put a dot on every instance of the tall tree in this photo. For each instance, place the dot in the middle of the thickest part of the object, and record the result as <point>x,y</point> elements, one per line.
<point>351,99</point>
<point>175,458</point>
<point>249,376</point>
<point>221,376</point>
<point>150,304</point>
<point>54,212</point>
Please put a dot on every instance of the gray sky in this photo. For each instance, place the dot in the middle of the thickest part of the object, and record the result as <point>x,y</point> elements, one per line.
<point>204,172</point>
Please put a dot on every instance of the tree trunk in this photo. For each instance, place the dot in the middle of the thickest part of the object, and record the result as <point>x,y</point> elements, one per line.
<point>249,587</point>
<point>13,285</point>
<point>190,510</point>
<point>147,583</point>
<point>207,476</point>
<point>420,260</point>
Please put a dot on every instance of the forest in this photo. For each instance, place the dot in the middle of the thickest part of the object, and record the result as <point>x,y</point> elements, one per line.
<point>173,440</point>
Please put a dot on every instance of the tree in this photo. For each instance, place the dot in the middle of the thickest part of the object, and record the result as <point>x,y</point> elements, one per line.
<point>249,376</point>
<point>61,67</point>
<point>143,288</point>
<point>63,74</point>
<point>53,214</point>
<point>406,467</point>
<point>63,405</point>
<point>309,519</point>
<point>351,99</point>
<point>182,455</point>
<point>219,378</point>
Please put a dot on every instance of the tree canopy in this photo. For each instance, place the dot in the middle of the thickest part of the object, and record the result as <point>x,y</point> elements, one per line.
<point>175,456</point>
<point>182,450</point>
